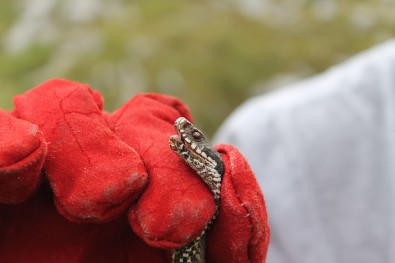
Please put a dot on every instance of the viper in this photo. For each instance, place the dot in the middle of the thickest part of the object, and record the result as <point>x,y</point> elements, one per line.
<point>193,147</point>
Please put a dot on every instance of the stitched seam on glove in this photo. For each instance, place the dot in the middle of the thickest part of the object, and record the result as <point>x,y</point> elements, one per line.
<point>242,204</point>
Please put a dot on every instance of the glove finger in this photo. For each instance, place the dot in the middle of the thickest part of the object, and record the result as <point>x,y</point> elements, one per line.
<point>241,232</point>
<point>93,174</point>
<point>22,152</point>
<point>176,205</point>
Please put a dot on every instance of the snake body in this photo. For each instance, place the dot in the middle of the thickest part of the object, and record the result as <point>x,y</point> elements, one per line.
<point>191,144</point>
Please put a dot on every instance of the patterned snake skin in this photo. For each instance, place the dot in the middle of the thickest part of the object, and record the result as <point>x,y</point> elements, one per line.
<point>193,147</point>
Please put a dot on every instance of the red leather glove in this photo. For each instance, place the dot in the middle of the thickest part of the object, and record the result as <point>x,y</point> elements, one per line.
<point>95,177</point>
<point>176,205</point>
<point>22,153</point>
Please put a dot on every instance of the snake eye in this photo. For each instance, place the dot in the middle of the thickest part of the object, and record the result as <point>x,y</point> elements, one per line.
<point>196,135</point>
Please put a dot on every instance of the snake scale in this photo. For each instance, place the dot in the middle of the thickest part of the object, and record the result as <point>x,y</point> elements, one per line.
<point>191,144</point>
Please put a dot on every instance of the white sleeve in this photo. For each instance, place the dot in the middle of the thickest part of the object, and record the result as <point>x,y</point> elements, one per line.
<point>323,151</point>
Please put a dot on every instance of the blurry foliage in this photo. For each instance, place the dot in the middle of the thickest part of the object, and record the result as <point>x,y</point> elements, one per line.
<point>211,54</point>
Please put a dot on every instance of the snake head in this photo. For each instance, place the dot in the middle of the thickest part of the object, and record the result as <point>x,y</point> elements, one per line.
<point>189,134</point>
<point>192,140</point>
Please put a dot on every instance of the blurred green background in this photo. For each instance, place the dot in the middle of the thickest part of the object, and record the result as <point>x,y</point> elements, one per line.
<point>212,54</point>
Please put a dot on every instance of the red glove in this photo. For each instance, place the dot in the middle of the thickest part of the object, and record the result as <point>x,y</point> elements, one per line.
<point>22,153</point>
<point>95,177</point>
<point>176,205</point>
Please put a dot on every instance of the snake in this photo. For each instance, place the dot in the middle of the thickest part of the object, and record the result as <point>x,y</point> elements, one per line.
<point>194,148</point>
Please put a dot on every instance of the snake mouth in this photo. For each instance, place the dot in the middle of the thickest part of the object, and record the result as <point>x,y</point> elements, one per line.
<point>175,142</point>
<point>181,125</point>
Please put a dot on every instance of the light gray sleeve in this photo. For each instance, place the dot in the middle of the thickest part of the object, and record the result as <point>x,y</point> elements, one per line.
<point>323,151</point>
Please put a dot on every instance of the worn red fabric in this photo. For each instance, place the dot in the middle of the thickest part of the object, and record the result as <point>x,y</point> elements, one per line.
<point>22,152</point>
<point>94,175</point>
<point>113,190</point>
<point>176,205</point>
<point>241,232</point>
<point>35,232</point>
